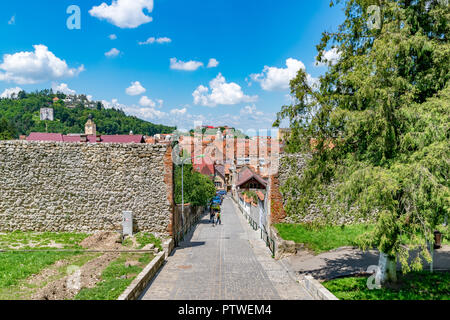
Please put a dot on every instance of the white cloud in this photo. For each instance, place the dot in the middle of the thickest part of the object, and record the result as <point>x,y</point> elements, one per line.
<point>63,88</point>
<point>10,93</point>
<point>330,57</point>
<point>112,37</point>
<point>147,102</point>
<point>213,63</point>
<point>34,67</point>
<point>185,66</point>
<point>12,21</point>
<point>152,40</point>
<point>251,110</point>
<point>220,93</point>
<point>124,13</point>
<point>112,53</point>
<point>272,78</point>
<point>149,113</point>
<point>135,89</point>
<point>178,112</point>
<point>110,105</point>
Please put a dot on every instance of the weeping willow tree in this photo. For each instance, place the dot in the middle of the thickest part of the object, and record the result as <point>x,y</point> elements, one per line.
<point>379,120</point>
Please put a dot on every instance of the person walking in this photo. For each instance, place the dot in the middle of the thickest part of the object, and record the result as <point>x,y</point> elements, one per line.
<point>211,215</point>
<point>218,218</point>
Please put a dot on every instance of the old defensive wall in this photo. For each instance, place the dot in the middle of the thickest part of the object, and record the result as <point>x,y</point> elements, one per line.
<point>54,186</point>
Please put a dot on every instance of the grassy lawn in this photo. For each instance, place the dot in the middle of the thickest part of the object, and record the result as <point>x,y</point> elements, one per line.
<point>323,239</point>
<point>116,277</point>
<point>17,266</point>
<point>412,286</point>
<point>30,253</point>
<point>45,240</point>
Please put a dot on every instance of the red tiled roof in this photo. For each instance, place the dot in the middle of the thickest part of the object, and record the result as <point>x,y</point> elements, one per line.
<point>246,174</point>
<point>37,136</point>
<point>204,165</point>
<point>122,139</point>
<point>220,169</point>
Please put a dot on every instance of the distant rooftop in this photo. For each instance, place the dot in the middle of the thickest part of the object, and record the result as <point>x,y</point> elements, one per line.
<point>58,137</point>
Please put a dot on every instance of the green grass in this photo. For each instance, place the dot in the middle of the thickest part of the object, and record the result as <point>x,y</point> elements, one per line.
<point>145,238</point>
<point>412,286</point>
<point>15,266</point>
<point>116,278</point>
<point>37,240</point>
<point>325,238</point>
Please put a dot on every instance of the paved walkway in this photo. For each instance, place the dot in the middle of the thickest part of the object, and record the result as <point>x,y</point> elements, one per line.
<point>226,262</point>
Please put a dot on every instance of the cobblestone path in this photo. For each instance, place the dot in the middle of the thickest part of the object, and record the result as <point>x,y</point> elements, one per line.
<point>226,262</point>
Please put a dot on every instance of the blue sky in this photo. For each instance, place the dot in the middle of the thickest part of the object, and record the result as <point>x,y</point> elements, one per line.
<point>244,37</point>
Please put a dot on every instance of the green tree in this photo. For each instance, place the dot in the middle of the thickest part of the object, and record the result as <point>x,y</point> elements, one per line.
<point>377,124</point>
<point>7,130</point>
<point>198,189</point>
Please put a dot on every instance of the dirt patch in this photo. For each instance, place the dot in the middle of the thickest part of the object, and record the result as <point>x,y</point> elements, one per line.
<point>87,277</point>
<point>103,241</point>
<point>47,273</point>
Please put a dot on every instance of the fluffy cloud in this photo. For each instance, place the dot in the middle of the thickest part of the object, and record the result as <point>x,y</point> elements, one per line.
<point>251,110</point>
<point>178,112</point>
<point>124,13</point>
<point>34,67</point>
<point>147,102</point>
<point>149,113</point>
<point>112,53</point>
<point>12,21</point>
<point>330,57</point>
<point>273,78</point>
<point>135,89</point>
<point>114,103</point>
<point>10,93</point>
<point>112,37</point>
<point>220,93</point>
<point>185,66</point>
<point>62,87</point>
<point>213,63</point>
<point>152,40</point>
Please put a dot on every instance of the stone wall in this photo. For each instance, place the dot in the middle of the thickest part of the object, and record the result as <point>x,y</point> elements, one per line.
<point>52,186</point>
<point>291,169</point>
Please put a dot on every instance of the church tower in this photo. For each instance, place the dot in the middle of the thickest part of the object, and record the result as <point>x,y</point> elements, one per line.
<point>90,128</point>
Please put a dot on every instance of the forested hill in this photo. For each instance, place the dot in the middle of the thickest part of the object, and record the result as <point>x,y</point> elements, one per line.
<point>21,116</point>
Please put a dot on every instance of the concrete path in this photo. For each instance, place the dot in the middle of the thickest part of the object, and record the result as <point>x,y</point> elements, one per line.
<point>348,261</point>
<point>226,262</point>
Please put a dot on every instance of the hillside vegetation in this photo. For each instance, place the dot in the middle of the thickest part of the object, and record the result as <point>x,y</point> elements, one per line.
<point>21,116</point>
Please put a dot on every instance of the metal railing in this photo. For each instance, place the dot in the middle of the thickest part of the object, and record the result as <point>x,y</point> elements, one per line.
<point>179,236</point>
<point>270,243</point>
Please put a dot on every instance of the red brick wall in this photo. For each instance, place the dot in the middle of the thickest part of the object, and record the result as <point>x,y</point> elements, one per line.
<point>168,180</point>
<point>277,213</point>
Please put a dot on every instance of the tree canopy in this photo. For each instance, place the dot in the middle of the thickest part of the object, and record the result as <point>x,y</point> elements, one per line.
<point>379,120</point>
<point>198,188</point>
